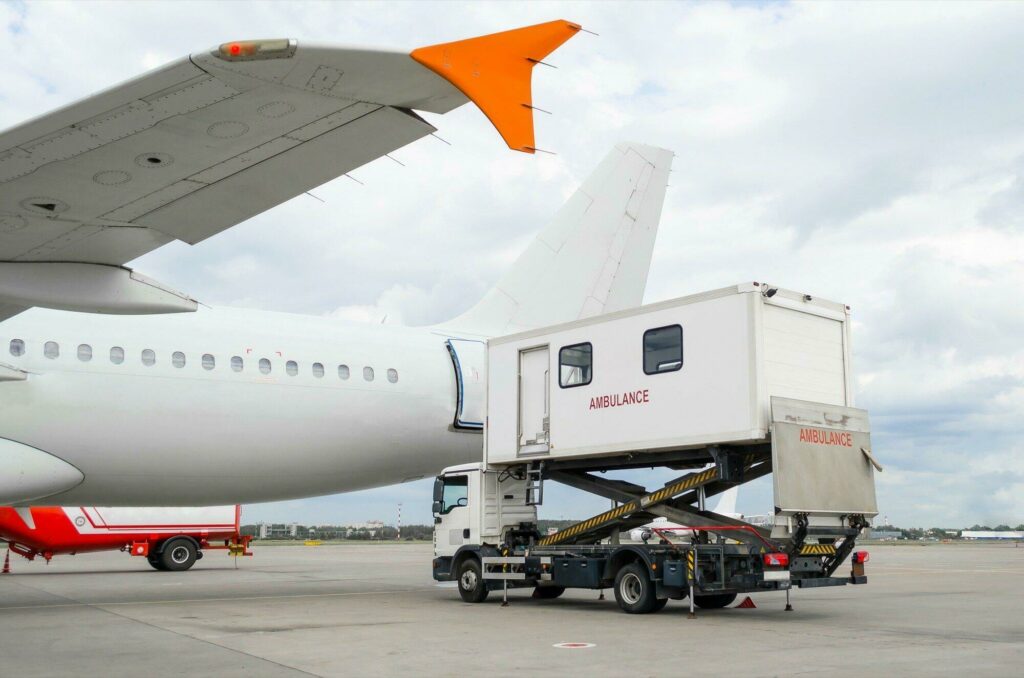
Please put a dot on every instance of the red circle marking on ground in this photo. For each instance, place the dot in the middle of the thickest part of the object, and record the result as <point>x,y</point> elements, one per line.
<point>573,646</point>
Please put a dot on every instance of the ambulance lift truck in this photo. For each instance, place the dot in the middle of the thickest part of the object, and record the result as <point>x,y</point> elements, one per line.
<point>724,387</point>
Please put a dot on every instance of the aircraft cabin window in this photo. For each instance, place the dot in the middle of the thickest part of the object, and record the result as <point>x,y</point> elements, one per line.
<point>209,362</point>
<point>368,373</point>
<point>291,367</point>
<point>84,352</point>
<point>264,366</point>
<point>575,365</point>
<point>318,370</point>
<point>178,359</point>
<point>663,349</point>
<point>17,347</point>
<point>343,371</point>
<point>149,357</point>
<point>116,355</point>
<point>51,350</point>
<point>392,375</point>
<point>236,363</point>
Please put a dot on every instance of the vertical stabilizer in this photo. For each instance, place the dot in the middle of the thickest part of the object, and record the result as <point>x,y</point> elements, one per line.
<point>594,255</point>
<point>727,502</point>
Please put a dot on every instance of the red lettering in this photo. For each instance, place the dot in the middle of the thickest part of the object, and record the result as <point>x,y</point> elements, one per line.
<point>818,437</point>
<point>625,398</point>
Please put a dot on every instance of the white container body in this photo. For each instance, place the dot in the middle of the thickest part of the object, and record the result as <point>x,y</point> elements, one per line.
<point>739,348</point>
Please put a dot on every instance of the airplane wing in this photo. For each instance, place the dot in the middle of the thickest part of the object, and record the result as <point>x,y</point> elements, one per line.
<point>206,142</point>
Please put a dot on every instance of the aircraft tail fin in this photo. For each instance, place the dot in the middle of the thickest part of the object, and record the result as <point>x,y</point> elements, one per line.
<point>594,255</point>
<point>727,502</point>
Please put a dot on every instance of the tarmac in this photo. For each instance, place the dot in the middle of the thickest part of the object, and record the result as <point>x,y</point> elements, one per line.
<point>373,610</point>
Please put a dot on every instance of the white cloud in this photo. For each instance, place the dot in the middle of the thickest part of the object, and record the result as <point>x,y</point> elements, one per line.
<point>869,153</point>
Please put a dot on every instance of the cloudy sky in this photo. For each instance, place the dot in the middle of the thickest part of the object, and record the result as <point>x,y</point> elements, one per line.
<point>867,153</point>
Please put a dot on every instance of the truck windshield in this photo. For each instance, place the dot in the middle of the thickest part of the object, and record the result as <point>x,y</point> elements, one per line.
<point>456,490</point>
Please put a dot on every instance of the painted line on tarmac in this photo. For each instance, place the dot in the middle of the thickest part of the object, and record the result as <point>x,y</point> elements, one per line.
<point>192,601</point>
<point>896,569</point>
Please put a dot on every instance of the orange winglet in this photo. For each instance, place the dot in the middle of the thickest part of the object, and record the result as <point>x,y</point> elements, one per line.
<point>494,72</point>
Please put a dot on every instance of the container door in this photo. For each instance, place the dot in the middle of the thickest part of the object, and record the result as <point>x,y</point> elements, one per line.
<point>534,372</point>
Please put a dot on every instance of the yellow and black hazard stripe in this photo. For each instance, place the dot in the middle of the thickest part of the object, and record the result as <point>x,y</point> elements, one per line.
<point>633,506</point>
<point>817,550</point>
<point>691,562</point>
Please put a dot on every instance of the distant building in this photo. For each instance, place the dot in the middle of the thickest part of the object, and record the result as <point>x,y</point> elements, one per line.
<point>992,534</point>
<point>276,531</point>
<point>884,534</point>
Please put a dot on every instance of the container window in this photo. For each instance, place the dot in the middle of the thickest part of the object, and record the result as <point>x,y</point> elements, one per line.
<point>17,347</point>
<point>178,359</point>
<point>116,355</point>
<point>84,352</point>
<point>663,349</point>
<point>148,357</point>
<point>318,370</point>
<point>51,350</point>
<point>368,373</point>
<point>264,366</point>
<point>343,371</point>
<point>393,375</point>
<point>575,365</point>
<point>236,363</point>
<point>209,362</point>
<point>291,367</point>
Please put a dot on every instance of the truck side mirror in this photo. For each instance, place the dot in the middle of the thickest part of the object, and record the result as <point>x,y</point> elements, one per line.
<point>436,508</point>
<point>438,490</point>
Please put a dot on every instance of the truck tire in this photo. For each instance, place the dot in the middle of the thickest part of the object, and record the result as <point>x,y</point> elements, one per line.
<point>178,555</point>
<point>659,604</point>
<point>714,601</point>
<point>154,561</point>
<point>548,592</point>
<point>472,587</point>
<point>634,590</point>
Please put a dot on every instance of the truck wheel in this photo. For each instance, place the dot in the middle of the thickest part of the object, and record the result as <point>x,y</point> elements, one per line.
<point>714,601</point>
<point>471,582</point>
<point>178,555</point>
<point>548,592</point>
<point>659,604</point>
<point>155,563</point>
<point>634,590</point>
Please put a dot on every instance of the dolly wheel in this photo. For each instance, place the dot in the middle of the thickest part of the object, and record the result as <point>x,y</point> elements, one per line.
<point>634,590</point>
<point>178,555</point>
<point>472,587</point>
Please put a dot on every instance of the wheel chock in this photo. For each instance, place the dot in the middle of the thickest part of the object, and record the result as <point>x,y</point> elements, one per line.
<point>747,604</point>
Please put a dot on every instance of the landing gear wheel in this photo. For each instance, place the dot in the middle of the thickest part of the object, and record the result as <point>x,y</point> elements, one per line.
<point>634,590</point>
<point>548,592</point>
<point>471,582</point>
<point>714,601</point>
<point>178,555</point>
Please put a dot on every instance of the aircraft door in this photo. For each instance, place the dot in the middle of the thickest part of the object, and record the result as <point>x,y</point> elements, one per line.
<point>534,373</point>
<point>469,358</point>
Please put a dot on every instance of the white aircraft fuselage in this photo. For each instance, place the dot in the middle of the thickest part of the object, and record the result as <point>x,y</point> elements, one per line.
<point>187,435</point>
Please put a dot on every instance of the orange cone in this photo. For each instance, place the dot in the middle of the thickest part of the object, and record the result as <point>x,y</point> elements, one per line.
<point>747,604</point>
<point>7,563</point>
